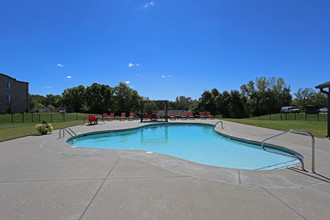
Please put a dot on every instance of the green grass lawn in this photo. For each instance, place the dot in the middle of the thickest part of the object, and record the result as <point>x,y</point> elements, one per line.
<point>317,128</point>
<point>16,130</point>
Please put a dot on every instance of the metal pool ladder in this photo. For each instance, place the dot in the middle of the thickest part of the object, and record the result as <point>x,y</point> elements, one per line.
<point>218,123</point>
<point>69,131</point>
<point>295,156</point>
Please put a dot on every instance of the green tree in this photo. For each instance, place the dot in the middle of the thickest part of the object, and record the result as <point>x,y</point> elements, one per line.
<point>303,98</point>
<point>75,97</point>
<point>126,99</point>
<point>99,98</point>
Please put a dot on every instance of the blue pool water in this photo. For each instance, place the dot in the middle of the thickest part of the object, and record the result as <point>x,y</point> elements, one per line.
<point>194,142</point>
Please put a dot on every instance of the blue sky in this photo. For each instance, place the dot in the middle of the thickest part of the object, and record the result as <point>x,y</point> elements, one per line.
<point>164,48</point>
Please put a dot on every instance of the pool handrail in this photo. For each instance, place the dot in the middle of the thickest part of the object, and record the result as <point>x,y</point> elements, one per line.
<point>215,125</point>
<point>69,131</point>
<point>296,156</point>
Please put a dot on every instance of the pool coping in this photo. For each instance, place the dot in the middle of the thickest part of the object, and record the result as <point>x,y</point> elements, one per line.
<point>284,177</point>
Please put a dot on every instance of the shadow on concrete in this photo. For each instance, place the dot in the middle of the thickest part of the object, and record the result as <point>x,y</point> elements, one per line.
<point>311,174</point>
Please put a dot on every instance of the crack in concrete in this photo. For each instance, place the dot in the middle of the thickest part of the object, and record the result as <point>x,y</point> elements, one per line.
<point>283,202</point>
<point>98,190</point>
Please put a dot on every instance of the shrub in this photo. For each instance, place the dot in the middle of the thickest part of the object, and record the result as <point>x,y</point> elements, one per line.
<point>44,128</point>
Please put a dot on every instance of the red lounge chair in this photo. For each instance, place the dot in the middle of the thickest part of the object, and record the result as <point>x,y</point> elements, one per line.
<point>154,116</point>
<point>183,115</point>
<point>172,115</point>
<point>208,114</point>
<point>84,119</point>
<point>190,115</point>
<point>131,116</point>
<point>112,116</point>
<point>93,120</point>
<point>147,115</point>
<point>123,116</point>
<point>201,115</point>
<point>105,115</point>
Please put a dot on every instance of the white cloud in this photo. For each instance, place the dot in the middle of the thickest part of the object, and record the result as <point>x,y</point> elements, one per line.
<point>163,77</point>
<point>127,82</point>
<point>133,65</point>
<point>69,77</point>
<point>149,4</point>
<point>59,65</point>
<point>169,76</point>
<point>48,87</point>
<point>132,87</point>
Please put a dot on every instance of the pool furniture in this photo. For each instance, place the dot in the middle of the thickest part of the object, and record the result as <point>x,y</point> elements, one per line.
<point>93,120</point>
<point>147,115</point>
<point>208,114</point>
<point>201,115</point>
<point>172,115</point>
<point>123,116</point>
<point>112,116</point>
<point>190,115</point>
<point>183,115</point>
<point>84,119</point>
<point>104,116</point>
<point>153,116</point>
<point>131,116</point>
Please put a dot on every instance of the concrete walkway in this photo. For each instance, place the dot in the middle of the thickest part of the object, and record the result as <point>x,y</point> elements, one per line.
<point>42,177</point>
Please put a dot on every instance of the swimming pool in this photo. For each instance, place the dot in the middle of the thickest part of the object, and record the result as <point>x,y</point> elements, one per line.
<point>198,143</point>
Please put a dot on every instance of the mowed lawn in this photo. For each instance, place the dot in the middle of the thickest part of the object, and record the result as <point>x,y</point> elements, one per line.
<point>317,128</point>
<point>10,131</point>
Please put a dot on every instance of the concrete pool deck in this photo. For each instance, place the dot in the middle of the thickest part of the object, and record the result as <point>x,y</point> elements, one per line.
<point>42,177</point>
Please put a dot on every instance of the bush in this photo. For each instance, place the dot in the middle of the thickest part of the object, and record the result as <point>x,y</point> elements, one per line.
<point>51,108</point>
<point>44,128</point>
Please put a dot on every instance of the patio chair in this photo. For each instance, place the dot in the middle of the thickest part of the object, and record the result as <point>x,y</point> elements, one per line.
<point>93,120</point>
<point>153,117</point>
<point>208,114</point>
<point>172,115</point>
<point>104,116</point>
<point>183,115</point>
<point>201,115</point>
<point>190,115</point>
<point>131,116</point>
<point>84,120</point>
<point>123,116</point>
<point>112,116</point>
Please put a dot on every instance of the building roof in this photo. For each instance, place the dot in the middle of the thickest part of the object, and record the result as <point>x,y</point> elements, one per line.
<point>13,78</point>
<point>323,85</point>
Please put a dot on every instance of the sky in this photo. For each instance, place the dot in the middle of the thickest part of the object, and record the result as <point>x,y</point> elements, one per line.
<point>164,48</point>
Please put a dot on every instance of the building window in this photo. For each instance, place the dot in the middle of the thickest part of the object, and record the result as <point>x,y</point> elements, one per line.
<point>8,98</point>
<point>8,85</point>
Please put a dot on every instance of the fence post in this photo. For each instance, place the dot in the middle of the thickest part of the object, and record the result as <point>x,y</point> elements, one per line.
<point>32,117</point>
<point>12,118</point>
<point>270,117</point>
<point>286,116</point>
<point>76,116</point>
<point>23,117</point>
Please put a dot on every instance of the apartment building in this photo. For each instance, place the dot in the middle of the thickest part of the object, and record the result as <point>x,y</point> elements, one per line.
<point>13,95</point>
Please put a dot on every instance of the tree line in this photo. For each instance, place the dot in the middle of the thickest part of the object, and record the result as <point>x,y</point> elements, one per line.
<point>259,97</point>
